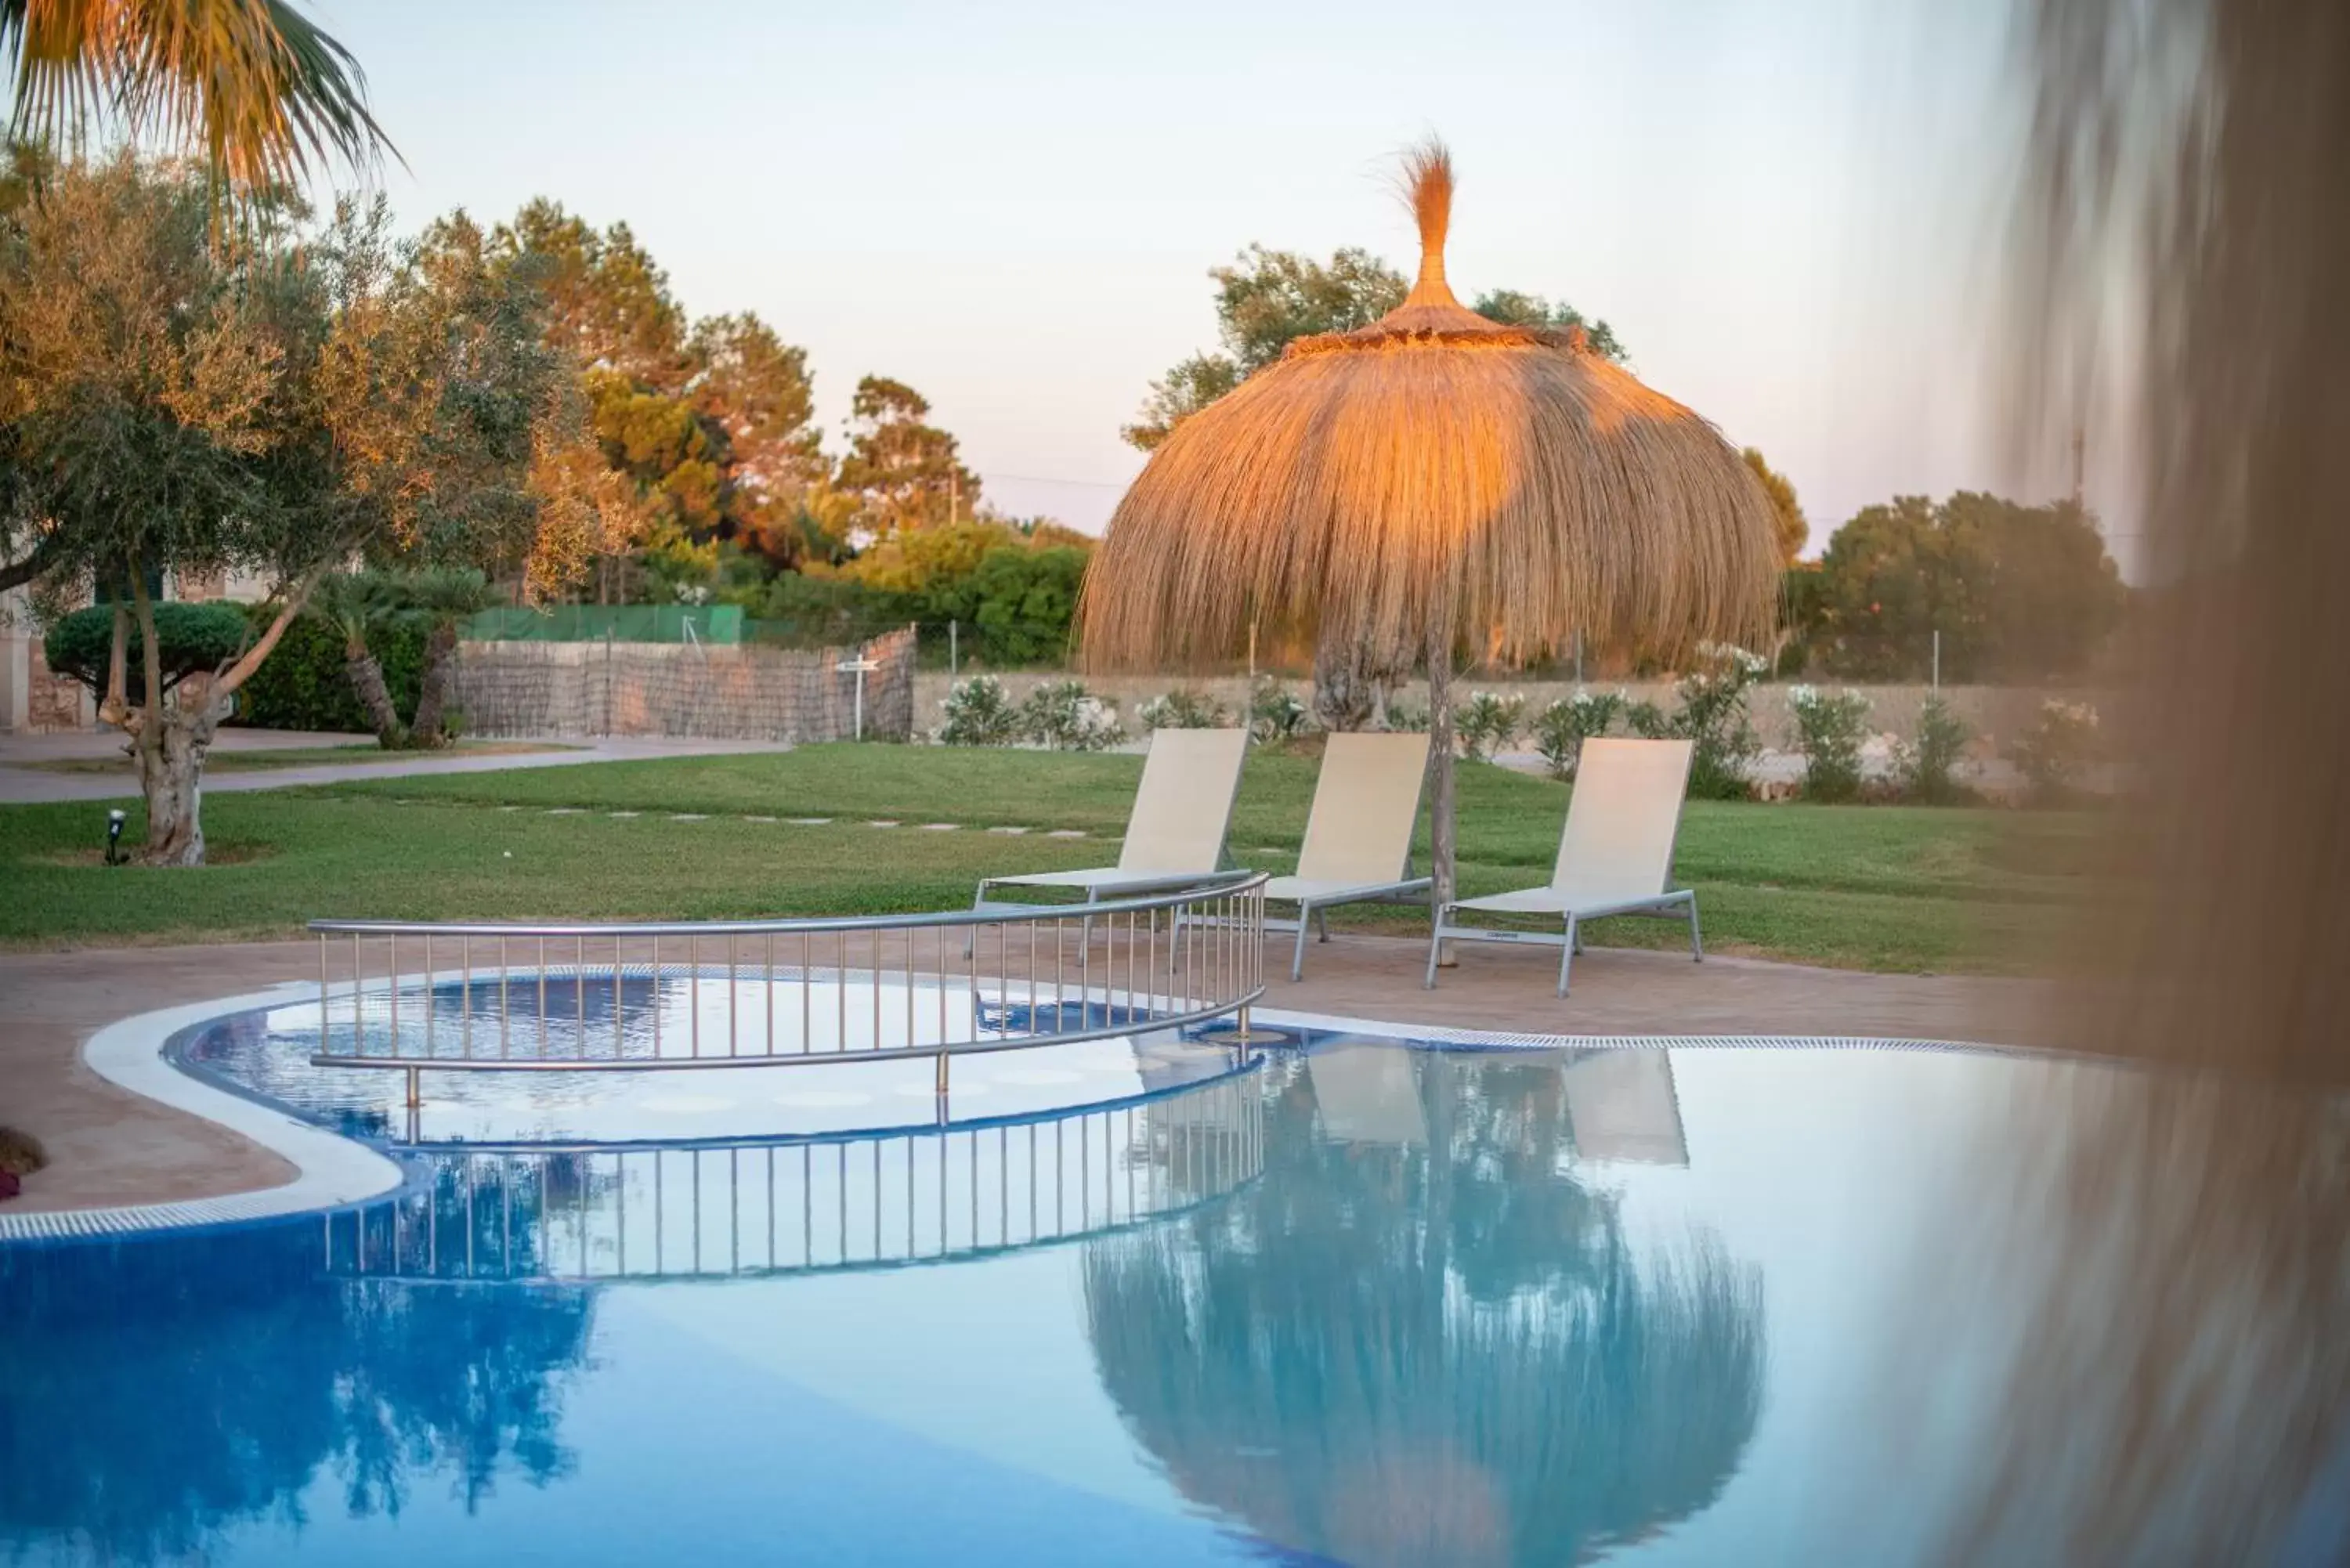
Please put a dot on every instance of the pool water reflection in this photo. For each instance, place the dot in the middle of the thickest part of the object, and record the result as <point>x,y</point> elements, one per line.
<point>1363,1304</point>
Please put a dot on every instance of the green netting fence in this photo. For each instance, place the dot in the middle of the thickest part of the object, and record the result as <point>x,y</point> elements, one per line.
<point>616,623</point>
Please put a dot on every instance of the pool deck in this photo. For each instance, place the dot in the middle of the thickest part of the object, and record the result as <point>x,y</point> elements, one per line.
<point>108,1146</point>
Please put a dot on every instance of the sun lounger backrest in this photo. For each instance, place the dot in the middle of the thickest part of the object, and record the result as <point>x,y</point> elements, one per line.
<point>1623,819</point>
<point>1184,806</point>
<point>1365,804</point>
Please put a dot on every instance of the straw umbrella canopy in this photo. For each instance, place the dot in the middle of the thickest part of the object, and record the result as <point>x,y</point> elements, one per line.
<point>1431,485</point>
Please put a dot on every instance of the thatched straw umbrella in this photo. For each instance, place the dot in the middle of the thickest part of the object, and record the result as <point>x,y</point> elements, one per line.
<point>1431,484</point>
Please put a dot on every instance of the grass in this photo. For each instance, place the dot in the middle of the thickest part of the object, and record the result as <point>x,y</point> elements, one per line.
<point>1871,887</point>
<point>245,761</point>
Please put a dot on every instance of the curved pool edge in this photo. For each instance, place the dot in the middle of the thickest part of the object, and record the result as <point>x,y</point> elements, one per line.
<point>330,1170</point>
<point>1530,1040</point>
<point>333,1170</point>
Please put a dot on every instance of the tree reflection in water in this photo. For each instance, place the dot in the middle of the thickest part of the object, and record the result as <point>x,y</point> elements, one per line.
<point>1439,1348</point>
<point>158,1391</point>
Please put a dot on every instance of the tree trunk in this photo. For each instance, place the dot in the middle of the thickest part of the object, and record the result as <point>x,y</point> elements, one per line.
<point>439,675</point>
<point>171,775</point>
<point>367,679</point>
<point>1439,763</point>
<point>1343,687</point>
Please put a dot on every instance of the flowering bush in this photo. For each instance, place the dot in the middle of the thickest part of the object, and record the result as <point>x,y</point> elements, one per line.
<point>1485,724</point>
<point>2058,749</point>
<point>1929,760</point>
<point>978,712</point>
<point>1275,712</point>
<point>1064,716</point>
<point>1560,729</point>
<point>1182,708</point>
<point>1828,729</point>
<point>1715,713</point>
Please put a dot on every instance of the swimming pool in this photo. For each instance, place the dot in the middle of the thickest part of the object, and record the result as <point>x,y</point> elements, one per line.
<point>1355,1300</point>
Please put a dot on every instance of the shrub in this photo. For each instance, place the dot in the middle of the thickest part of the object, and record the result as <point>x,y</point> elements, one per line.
<point>1066,717</point>
<point>1929,760</point>
<point>1182,708</point>
<point>1560,729</point>
<point>1714,714</point>
<point>21,1153</point>
<point>2058,749</point>
<point>978,712</point>
<point>1275,712</point>
<point>193,639</point>
<point>1022,601</point>
<point>1485,724</point>
<point>1648,720</point>
<point>1828,731</point>
<point>1403,717</point>
<point>304,685</point>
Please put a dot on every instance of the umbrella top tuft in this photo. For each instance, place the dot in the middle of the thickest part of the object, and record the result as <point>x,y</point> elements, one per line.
<point>1431,313</point>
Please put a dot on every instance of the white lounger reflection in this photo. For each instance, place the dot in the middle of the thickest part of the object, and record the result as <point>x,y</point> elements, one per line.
<point>1175,835</point>
<point>1622,1107</point>
<point>1616,857</point>
<point>1358,845</point>
<point>1368,1094</point>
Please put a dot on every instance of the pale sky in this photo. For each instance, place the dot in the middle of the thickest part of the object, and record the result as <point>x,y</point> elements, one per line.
<point>1787,208</point>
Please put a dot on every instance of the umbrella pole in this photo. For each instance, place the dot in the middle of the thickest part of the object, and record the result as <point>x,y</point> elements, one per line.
<point>1439,803</point>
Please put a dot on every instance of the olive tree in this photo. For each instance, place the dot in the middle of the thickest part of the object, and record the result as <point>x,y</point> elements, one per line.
<point>288,400</point>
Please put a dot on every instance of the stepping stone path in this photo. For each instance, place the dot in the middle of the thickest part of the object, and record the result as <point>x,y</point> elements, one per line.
<point>1009,831</point>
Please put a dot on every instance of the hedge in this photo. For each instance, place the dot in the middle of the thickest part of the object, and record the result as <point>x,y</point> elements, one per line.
<point>302,684</point>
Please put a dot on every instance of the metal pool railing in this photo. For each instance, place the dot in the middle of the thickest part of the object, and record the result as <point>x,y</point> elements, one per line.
<point>762,993</point>
<point>589,1212</point>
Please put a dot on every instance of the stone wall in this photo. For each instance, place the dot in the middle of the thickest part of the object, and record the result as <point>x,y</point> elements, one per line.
<point>1997,714</point>
<point>707,692</point>
<point>32,696</point>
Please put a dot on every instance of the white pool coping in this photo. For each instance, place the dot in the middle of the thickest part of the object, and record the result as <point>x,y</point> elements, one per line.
<point>332,1171</point>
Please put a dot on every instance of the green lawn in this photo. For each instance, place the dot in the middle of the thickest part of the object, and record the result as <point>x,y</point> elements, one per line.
<point>1874,887</point>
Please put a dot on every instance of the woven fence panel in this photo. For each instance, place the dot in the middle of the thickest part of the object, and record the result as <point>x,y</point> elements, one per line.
<point>740,692</point>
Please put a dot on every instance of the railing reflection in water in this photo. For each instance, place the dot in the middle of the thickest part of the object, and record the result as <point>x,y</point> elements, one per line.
<point>581,1212</point>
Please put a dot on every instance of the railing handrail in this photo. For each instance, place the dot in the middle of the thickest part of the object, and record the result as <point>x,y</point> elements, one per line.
<point>1163,960</point>
<point>1238,881</point>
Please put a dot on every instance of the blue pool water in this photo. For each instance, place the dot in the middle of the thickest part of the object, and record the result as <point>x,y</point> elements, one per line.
<point>1360,1303</point>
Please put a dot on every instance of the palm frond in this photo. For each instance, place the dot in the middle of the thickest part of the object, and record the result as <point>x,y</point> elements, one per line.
<point>252,88</point>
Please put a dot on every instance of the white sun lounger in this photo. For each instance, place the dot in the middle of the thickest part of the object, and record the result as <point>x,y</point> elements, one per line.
<point>1614,858</point>
<point>1358,845</point>
<point>1175,835</point>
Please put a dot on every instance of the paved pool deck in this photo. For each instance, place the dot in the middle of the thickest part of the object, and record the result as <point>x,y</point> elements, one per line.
<point>109,1147</point>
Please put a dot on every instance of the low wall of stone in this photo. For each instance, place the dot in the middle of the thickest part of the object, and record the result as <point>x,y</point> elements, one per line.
<point>32,697</point>
<point>740,692</point>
